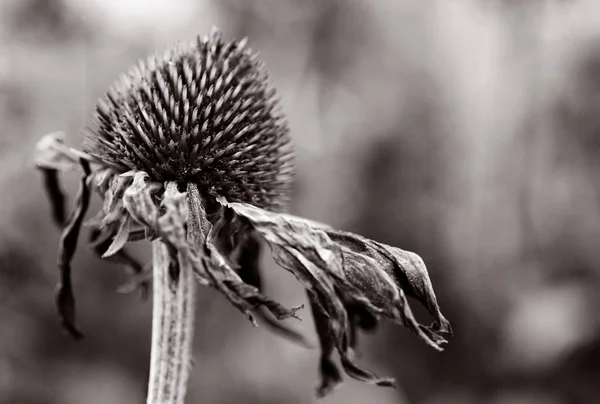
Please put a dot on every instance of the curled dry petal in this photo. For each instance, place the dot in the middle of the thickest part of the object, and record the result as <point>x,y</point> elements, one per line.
<point>397,274</point>
<point>111,187</point>
<point>212,268</point>
<point>351,281</point>
<point>139,276</point>
<point>55,195</point>
<point>199,251</point>
<point>249,272</point>
<point>120,238</point>
<point>172,229</point>
<point>51,156</point>
<point>138,201</point>
<point>52,153</point>
<point>65,299</point>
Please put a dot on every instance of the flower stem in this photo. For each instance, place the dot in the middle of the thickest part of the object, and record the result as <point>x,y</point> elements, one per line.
<point>172,329</point>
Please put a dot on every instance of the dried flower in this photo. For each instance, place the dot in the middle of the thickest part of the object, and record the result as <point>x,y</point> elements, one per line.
<point>189,151</point>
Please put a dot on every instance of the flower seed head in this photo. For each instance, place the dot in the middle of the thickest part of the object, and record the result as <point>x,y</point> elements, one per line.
<point>201,112</point>
<point>188,151</point>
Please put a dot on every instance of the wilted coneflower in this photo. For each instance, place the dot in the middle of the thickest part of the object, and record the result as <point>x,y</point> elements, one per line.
<point>189,151</point>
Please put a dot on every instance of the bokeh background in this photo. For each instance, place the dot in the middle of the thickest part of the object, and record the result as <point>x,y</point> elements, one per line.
<point>467,131</point>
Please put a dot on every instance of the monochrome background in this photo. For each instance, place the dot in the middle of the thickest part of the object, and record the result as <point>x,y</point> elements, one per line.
<point>467,131</point>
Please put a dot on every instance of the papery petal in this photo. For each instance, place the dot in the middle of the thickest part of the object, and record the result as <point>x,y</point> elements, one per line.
<point>404,272</point>
<point>351,280</point>
<point>331,319</point>
<point>52,153</point>
<point>139,276</point>
<point>138,201</point>
<point>412,275</point>
<point>68,243</point>
<point>376,272</point>
<point>218,264</point>
<point>51,156</point>
<point>56,196</point>
<point>120,238</point>
<point>249,272</point>
<point>112,187</point>
<point>172,230</point>
<point>199,251</point>
<point>331,376</point>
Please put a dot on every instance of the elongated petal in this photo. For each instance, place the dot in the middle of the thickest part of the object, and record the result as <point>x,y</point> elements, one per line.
<point>218,263</point>
<point>391,274</point>
<point>331,320</point>
<point>139,276</point>
<point>331,376</point>
<point>200,252</point>
<point>52,153</point>
<point>112,187</point>
<point>172,230</point>
<point>120,238</point>
<point>138,201</point>
<point>351,281</point>
<point>55,194</point>
<point>51,157</point>
<point>65,299</point>
<point>249,272</point>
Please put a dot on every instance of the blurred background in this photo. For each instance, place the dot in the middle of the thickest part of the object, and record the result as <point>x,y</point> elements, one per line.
<point>467,131</point>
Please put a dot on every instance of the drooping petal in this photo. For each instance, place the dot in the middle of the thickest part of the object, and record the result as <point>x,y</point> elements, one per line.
<point>111,186</point>
<point>52,153</point>
<point>172,230</point>
<point>331,318</point>
<point>196,248</point>
<point>351,281</point>
<point>120,238</point>
<point>51,157</point>
<point>138,200</point>
<point>360,318</point>
<point>55,194</point>
<point>331,376</point>
<point>139,276</point>
<point>400,273</point>
<point>65,299</point>
<point>249,272</point>
<point>218,264</point>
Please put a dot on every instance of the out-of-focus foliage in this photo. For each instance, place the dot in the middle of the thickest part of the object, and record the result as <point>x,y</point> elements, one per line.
<point>466,131</point>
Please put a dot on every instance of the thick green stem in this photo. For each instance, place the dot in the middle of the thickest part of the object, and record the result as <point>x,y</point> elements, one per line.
<point>172,329</point>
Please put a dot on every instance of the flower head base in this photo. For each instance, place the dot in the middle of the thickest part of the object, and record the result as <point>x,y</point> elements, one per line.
<point>200,196</point>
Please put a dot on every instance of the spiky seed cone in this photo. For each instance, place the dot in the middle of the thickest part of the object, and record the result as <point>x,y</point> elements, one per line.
<point>201,112</point>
